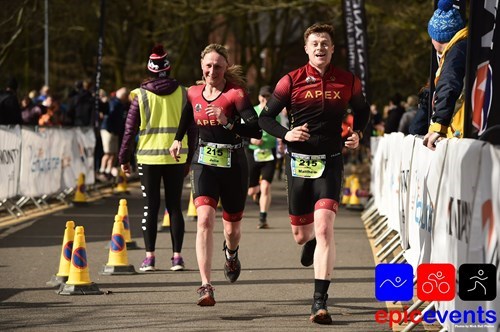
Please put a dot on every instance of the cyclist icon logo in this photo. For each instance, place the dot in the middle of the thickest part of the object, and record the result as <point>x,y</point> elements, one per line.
<point>477,282</point>
<point>436,282</point>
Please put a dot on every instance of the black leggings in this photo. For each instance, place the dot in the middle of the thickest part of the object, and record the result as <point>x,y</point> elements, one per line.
<point>173,178</point>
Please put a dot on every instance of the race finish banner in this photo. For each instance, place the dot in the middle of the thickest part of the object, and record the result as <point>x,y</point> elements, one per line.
<point>483,68</point>
<point>356,37</point>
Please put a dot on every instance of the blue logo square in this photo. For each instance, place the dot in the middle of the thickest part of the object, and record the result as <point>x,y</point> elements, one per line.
<point>394,282</point>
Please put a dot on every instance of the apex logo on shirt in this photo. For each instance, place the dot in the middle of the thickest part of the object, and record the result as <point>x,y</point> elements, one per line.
<point>319,94</point>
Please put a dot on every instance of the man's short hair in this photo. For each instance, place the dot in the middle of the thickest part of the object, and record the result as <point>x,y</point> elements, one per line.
<point>319,28</point>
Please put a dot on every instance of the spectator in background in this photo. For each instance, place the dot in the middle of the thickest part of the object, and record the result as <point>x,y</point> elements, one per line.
<point>112,127</point>
<point>420,123</point>
<point>53,116</point>
<point>29,111</point>
<point>395,112</point>
<point>377,123</point>
<point>10,111</point>
<point>407,118</point>
<point>81,105</point>
<point>44,93</point>
<point>449,37</point>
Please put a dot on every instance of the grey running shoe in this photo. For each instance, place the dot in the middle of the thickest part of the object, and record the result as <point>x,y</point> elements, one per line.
<point>307,256</point>
<point>319,310</point>
<point>206,293</point>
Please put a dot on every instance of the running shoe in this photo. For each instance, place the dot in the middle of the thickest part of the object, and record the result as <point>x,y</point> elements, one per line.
<point>319,310</point>
<point>307,256</point>
<point>206,293</point>
<point>177,264</point>
<point>232,266</point>
<point>148,264</point>
<point>262,224</point>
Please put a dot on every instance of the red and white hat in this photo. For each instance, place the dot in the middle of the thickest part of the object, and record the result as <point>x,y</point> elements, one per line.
<point>158,61</point>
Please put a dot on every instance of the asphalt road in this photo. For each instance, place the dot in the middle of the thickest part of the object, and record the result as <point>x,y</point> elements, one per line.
<point>273,293</point>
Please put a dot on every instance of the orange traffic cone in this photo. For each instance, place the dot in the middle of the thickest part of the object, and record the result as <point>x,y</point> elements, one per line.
<point>121,185</point>
<point>118,258</point>
<point>80,196</point>
<point>123,212</point>
<point>79,278</point>
<point>192,215</point>
<point>354,202</point>
<point>65,260</point>
<point>347,190</point>
<point>165,226</point>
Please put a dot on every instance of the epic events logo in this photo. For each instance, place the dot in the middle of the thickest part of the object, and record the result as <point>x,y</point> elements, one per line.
<point>436,282</point>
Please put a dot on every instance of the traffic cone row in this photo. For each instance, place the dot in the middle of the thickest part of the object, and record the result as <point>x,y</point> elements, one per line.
<point>73,275</point>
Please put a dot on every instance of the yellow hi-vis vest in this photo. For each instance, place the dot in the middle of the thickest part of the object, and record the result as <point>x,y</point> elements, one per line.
<point>160,117</point>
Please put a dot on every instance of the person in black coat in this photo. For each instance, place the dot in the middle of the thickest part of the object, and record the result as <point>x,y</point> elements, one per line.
<point>10,111</point>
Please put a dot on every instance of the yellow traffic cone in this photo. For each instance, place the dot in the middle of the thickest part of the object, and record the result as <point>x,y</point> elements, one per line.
<point>165,226</point>
<point>65,260</point>
<point>118,258</point>
<point>123,212</point>
<point>347,190</point>
<point>192,215</point>
<point>121,185</point>
<point>354,202</point>
<point>79,278</point>
<point>80,196</point>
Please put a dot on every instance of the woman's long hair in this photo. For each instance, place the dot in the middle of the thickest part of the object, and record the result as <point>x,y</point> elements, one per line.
<point>233,74</point>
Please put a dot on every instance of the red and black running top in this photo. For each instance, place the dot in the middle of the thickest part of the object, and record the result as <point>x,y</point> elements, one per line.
<point>321,102</point>
<point>235,104</point>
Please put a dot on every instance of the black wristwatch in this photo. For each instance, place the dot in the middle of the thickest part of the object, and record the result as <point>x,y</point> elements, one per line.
<point>229,125</point>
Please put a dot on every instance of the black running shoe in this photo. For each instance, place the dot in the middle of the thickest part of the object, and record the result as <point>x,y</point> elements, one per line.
<point>262,224</point>
<point>206,293</point>
<point>232,266</point>
<point>307,256</point>
<point>319,310</point>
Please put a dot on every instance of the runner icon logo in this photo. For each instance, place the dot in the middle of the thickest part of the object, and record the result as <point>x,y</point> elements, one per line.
<point>477,282</point>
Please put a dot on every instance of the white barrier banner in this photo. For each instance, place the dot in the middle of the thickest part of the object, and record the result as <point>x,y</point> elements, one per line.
<point>10,160</point>
<point>453,210</point>
<point>85,137</point>
<point>41,170</point>
<point>404,183</point>
<point>377,174</point>
<point>392,180</point>
<point>419,208</point>
<point>71,163</point>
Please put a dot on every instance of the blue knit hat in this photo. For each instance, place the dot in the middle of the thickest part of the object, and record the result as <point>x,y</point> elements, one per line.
<point>445,22</point>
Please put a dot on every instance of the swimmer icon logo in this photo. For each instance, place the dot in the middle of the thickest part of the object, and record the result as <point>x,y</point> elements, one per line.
<point>394,282</point>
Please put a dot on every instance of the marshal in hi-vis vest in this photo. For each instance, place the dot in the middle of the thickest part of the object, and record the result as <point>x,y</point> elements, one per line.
<point>160,117</point>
